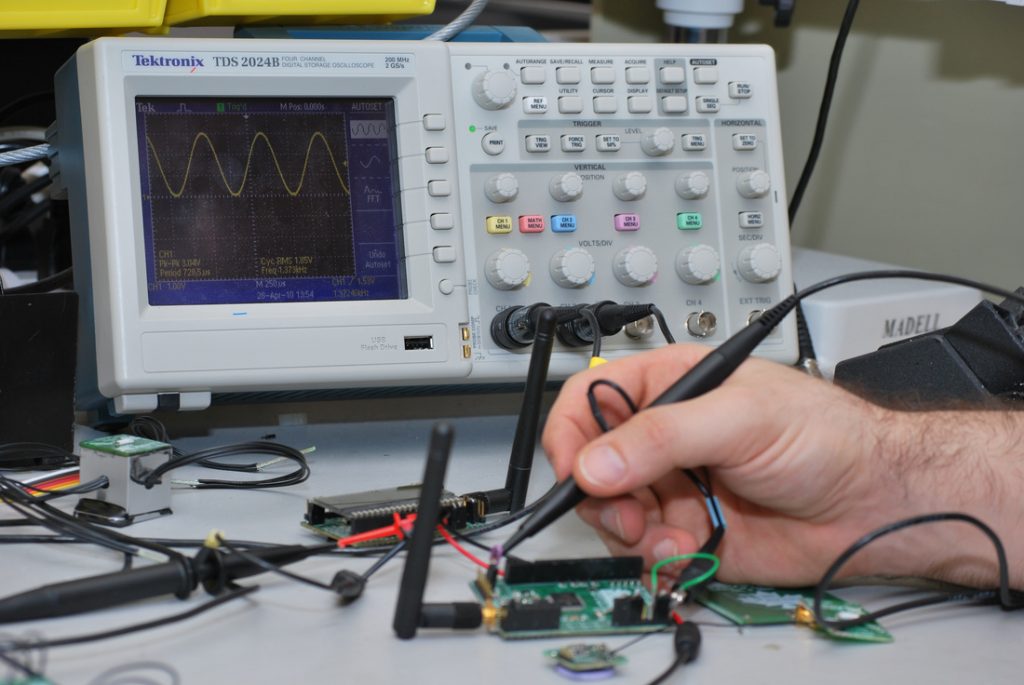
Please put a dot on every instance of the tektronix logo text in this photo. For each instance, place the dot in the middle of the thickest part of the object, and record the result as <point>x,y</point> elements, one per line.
<point>160,61</point>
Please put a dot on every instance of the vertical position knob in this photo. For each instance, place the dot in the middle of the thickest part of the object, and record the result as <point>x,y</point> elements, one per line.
<point>572,268</point>
<point>693,186</point>
<point>507,268</point>
<point>759,263</point>
<point>754,184</point>
<point>566,187</point>
<point>658,142</point>
<point>494,89</point>
<point>635,266</point>
<point>631,186</point>
<point>698,265</point>
<point>501,188</point>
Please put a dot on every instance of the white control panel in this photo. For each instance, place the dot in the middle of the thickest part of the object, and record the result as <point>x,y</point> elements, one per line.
<point>262,215</point>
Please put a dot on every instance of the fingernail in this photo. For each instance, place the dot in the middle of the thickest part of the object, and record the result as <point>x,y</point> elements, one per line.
<point>603,466</point>
<point>665,549</point>
<point>612,522</point>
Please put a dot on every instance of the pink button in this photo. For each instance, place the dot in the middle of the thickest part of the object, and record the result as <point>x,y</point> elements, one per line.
<point>627,222</point>
<point>533,223</point>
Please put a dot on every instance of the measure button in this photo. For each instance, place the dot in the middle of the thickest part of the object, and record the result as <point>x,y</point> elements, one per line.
<point>563,223</point>
<point>751,219</point>
<point>689,221</point>
<point>444,254</point>
<point>493,143</point>
<point>499,225</point>
<point>442,221</point>
<point>539,143</point>
<point>609,142</point>
<point>627,222</point>
<point>531,223</point>
<point>602,75</point>
<point>439,188</point>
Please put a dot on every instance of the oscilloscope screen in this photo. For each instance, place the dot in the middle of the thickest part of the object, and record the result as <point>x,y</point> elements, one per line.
<point>250,200</point>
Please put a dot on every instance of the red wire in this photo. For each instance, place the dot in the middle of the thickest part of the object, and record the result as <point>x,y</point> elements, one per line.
<point>462,550</point>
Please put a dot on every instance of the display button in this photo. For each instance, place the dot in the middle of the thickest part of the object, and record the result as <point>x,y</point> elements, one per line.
<point>574,142</point>
<point>570,104</point>
<point>563,223</point>
<point>434,122</point>
<point>436,155</point>
<point>444,254</point>
<point>751,219</point>
<point>705,75</point>
<point>707,104</point>
<point>672,76</point>
<point>695,142</point>
<point>442,221</point>
<point>602,76</point>
<point>740,90</point>
<point>627,222</point>
<point>638,75</point>
<point>605,104</point>
<point>639,104</point>
<point>535,104</point>
<point>439,188</point>
<point>689,221</point>
<point>744,141</point>
<point>532,75</point>
<point>531,223</point>
<point>609,142</point>
<point>538,143</point>
<point>499,225</point>
<point>568,75</point>
<point>674,104</point>
<point>493,143</point>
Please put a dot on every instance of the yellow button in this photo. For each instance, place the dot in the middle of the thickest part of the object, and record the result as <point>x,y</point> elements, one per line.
<point>499,224</point>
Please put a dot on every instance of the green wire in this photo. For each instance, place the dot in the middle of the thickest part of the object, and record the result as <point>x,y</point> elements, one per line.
<point>686,557</point>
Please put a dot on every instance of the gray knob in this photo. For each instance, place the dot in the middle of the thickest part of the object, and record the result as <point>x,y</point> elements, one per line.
<point>566,187</point>
<point>759,263</point>
<point>658,142</point>
<point>693,186</point>
<point>494,89</point>
<point>631,186</point>
<point>635,266</point>
<point>501,188</point>
<point>507,268</point>
<point>754,184</point>
<point>698,265</point>
<point>572,268</point>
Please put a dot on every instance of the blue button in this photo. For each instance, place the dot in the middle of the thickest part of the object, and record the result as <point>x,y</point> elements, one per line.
<point>563,223</point>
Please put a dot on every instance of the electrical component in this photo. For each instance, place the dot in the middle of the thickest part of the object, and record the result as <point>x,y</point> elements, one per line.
<point>125,460</point>
<point>581,659</point>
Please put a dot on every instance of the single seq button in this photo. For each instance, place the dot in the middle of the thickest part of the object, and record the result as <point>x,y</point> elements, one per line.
<point>563,223</point>
<point>498,225</point>
<point>531,223</point>
<point>708,104</point>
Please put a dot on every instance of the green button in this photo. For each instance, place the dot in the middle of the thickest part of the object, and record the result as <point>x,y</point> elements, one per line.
<point>689,221</point>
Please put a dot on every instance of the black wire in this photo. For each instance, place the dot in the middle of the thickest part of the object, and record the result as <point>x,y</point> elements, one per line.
<point>273,568</point>
<point>25,101</point>
<point>901,273</point>
<point>18,666</point>
<point>13,198</point>
<point>205,457</point>
<point>676,663</point>
<point>663,325</point>
<point>823,111</point>
<point>61,279</point>
<point>595,408</point>
<point>34,455</point>
<point>391,554</point>
<point>595,326</point>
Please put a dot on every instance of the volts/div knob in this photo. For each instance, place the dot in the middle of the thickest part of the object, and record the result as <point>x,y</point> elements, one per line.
<point>658,142</point>
<point>566,187</point>
<point>698,265</point>
<point>635,266</point>
<point>759,263</point>
<point>494,89</point>
<point>501,188</point>
<point>693,186</point>
<point>572,268</point>
<point>631,186</point>
<point>754,184</point>
<point>507,268</point>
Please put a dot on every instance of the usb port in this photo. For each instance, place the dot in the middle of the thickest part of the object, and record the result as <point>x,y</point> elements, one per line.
<point>419,342</point>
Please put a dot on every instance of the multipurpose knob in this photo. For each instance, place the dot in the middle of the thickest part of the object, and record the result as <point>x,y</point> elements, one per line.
<point>693,186</point>
<point>698,265</point>
<point>631,186</point>
<point>759,263</point>
<point>494,89</point>
<point>658,142</point>
<point>566,187</point>
<point>635,266</point>
<point>501,188</point>
<point>572,268</point>
<point>507,268</point>
<point>754,184</point>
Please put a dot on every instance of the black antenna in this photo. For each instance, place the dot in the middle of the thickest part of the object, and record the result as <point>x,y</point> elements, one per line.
<point>410,612</point>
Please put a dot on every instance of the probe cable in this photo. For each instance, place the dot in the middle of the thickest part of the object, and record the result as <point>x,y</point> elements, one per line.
<point>205,457</point>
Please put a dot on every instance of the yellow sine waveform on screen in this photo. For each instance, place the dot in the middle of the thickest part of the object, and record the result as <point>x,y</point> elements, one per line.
<point>235,192</point>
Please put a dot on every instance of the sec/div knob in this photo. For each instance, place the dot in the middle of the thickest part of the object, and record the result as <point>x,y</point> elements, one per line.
<point>507,268</point>
<point>567,187</point>
<point>635,266</point>
<point>658,142</point>
<point>631,186</point>
<point>501,188</point>
<point>494,89</point>
<point>698,265</point>
<point>759,263</point>
<point>572,268</point>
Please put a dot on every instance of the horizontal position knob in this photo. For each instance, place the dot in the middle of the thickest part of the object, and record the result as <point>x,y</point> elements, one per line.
<point>635,266</point>
<point>754,184</point>
<point>566,187</point>
<point>572,268</point>
<point>494,89</point>
<point>698,265</point>
<point>759,263</point>
<point>501,188</point>
<point>658,142</point>
<point>631,186</point>
<point>693,186</point>
<point>507,268</point>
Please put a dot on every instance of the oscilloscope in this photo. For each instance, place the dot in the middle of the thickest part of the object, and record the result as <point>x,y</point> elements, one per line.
<point>259,215</point>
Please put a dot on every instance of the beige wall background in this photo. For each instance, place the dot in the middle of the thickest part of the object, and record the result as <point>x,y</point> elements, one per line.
<point>923,163</point>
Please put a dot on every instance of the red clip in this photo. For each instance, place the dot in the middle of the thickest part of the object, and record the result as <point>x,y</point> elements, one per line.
<point>400,528</point>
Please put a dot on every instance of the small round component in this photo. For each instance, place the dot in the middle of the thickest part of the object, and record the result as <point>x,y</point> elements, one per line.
<point>631,186</point>
<point>658,142</point>
<point>494,89</point>
<point>754,184</point>
<point>759,263</point>
<point>639,330</point>
<point>754,316</point>
<point>446,286</point>
<point>507,268</point>
<point>698,265</point>
<point>701,324</point>
<point>566,187</point>
<point>493,143</point>
<point>572,268</point>
<point>635,266</point>
<point>501,188</point>
<point>693,186</point>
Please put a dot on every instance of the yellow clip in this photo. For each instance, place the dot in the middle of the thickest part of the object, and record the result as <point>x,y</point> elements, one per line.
<point>213,538</point>
<point>597,361</point>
